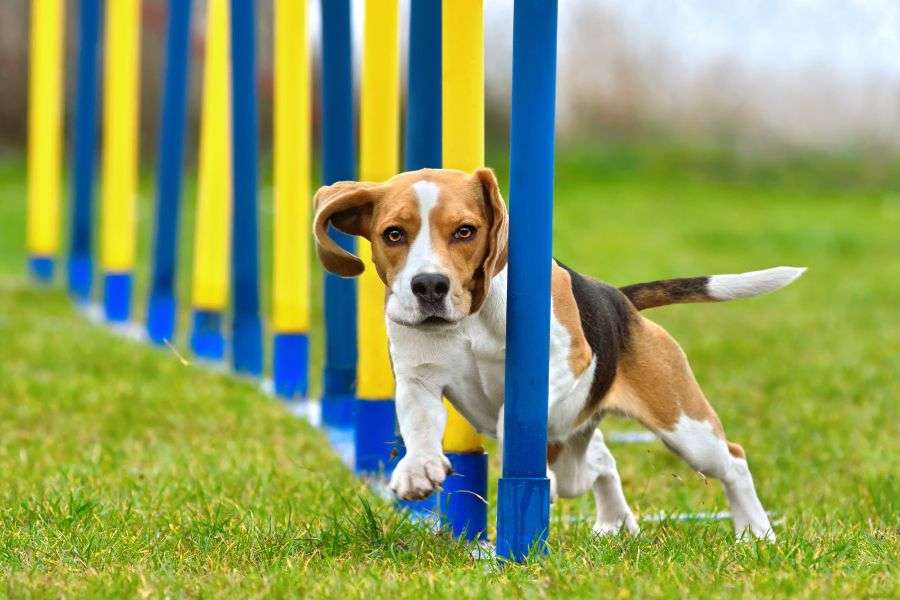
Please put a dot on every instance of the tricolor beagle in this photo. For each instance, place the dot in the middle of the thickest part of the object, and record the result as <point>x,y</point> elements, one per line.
<point>439,245</point>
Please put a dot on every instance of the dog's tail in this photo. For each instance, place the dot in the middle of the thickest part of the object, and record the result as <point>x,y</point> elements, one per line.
<point>711,288</point>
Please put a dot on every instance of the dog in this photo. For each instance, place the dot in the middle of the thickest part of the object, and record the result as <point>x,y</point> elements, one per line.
<point>439,244</point>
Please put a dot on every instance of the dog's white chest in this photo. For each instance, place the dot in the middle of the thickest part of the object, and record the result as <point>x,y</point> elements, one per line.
<point>468,363</point>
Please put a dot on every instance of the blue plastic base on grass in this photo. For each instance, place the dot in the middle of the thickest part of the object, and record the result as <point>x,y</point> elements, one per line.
<point>41,268</point>
<point>338,398</point>
<point>290,364</point>
<point>161,319</point>
<point>463,503</point>
<point>246,345</point>
<point>376,438</point>
<point>117,297</point>
<point>80,276</point>
<point>522,503</point>
<point>207,340</point>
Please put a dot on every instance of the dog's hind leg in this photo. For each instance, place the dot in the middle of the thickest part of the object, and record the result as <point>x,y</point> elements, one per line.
<point>584,462</point>
<point>656,386</point>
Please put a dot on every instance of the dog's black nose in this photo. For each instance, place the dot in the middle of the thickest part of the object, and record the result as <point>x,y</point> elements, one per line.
<point>430,287</point>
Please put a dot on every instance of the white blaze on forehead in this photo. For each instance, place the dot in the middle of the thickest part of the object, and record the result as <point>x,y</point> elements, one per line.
<point>421,258</point>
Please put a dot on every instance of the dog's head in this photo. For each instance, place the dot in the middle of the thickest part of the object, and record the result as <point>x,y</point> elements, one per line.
<point>438,238</point>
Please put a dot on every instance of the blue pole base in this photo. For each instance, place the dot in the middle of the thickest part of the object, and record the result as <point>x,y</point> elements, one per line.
<point>339,397</point>
<point>246,345</point>
<point>117,297</point>
<point>290,360</point>
<point>207,341</point>
<point>81,270</point>
<point>376,438</point>
<point>161,319</point>
<point>523,516</point>
<point>463,503</point>
<point>337,411</point>
<point>41,268</point>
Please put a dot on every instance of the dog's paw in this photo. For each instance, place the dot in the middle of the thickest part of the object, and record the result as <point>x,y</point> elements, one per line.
<point>755,534</point>
<point>416,476</point>
<point>626,523</point>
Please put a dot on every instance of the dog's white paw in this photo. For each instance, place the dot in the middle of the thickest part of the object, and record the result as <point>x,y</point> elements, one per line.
<point>416,476</point>
<point>753,534</point>
<point>627,523</point>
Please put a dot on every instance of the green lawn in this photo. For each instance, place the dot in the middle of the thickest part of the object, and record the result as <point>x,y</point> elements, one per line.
<point>124,472</point>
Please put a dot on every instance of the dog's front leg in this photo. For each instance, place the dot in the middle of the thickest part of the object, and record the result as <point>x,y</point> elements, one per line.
<point>422,419</point>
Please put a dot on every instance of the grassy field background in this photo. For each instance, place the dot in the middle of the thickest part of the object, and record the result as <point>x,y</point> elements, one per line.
<point>124,472</point>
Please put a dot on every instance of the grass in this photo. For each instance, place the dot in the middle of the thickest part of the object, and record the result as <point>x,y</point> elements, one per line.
<point>124,472</point>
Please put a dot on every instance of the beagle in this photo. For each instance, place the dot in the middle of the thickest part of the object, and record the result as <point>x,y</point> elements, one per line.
<point>439,244</point>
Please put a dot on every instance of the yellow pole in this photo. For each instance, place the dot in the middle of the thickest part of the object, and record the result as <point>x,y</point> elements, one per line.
<point>379,141</point>
<point>462,58</point>
<point>212,239</point>
<point>45,133</point>
<point>120,154</point>
<point>291,171</point>
<point>290,269</point>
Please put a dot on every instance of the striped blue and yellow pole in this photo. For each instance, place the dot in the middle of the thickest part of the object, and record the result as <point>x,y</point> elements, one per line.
<point>523,505</point>
<point>161,307</point>
<point>423,122</point>
<point>45,131</point>
<point>212,239</point>
<point>290,270</point>
<point>246,326</point>
<point>120,156</point>
<point>463,501</point>
<point>338,164</point>
<point>84,146</point>
<point>379,159</point>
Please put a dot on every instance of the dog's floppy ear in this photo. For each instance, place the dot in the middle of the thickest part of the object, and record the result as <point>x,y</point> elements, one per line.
<point>498,235</point>
<point>347,206</point>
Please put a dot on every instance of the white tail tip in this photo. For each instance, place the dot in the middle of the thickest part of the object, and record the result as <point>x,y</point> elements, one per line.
<point>754,283</point>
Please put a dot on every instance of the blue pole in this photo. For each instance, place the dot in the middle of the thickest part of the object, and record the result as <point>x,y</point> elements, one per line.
<point>161,308</point>
<point>338,164</point>
<point>423,96</point>
<point>246,355</point>
<point>80,264</point>
<point>523,507</point>
<point>423,124</point>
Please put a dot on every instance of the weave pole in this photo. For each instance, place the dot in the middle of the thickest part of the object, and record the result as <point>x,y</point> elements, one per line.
<point>162,306</point>
<point>45,115</point>
<point>246,326</point>
<point>463,501</point>
<point>120,156</point>
<point>523,506</point>
<point>379,152</point>
<point>291,260</point>
<point>423,122</point>
<point>212,239</point>
<point>84,147</point>
<point>338,164</point>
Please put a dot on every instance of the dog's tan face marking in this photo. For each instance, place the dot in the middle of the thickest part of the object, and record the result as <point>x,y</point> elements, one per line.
<point>565,309</point>
<point>438,237</point>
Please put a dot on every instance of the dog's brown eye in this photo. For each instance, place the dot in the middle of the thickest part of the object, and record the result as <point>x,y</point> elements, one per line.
<point>465,232</point>
<point>393,235</point>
